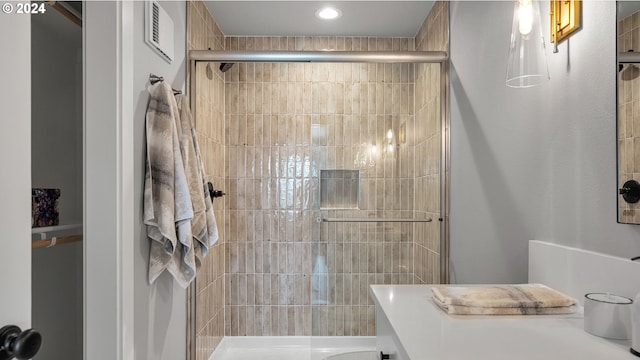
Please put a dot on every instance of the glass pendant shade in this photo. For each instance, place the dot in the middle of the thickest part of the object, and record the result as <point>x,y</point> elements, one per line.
<point>527,62</point>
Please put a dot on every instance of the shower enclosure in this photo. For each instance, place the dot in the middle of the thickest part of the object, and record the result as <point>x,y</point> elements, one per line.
<point>335,169</point>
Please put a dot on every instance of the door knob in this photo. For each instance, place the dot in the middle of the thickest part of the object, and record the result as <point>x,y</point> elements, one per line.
<point>18,344</point>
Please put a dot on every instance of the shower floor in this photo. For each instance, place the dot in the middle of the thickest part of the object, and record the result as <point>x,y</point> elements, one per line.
<point>295,348</point>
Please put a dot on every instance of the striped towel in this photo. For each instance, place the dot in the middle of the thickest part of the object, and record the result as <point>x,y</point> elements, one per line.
<point>203,225</point>
<point>522,299</point>
<point>167,206</point>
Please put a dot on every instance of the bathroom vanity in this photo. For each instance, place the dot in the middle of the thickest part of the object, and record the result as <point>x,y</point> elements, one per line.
<point>411,327</point>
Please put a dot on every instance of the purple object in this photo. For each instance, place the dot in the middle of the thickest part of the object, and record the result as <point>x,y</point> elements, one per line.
<point>44,207</point>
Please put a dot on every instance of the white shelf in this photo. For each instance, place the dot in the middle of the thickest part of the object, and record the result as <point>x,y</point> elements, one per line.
<point>48,229</point>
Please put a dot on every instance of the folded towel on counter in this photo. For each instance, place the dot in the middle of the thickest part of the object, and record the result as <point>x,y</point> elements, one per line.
<point>474,310</point>
<point>523,299</point>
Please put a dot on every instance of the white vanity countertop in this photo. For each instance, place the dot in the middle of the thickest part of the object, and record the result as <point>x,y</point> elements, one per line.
<point>426,332</point>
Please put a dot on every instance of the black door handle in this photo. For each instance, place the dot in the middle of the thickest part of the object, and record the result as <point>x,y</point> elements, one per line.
<point>18,344</point>
<point>630,191</point>
<point>213,193</point>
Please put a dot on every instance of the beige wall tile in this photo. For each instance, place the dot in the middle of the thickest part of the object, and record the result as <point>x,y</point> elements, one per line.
<point>203,32</point>
<point>269,111</point>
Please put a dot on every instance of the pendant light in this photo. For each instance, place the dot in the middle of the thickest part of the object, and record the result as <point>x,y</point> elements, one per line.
<point>527,62</point>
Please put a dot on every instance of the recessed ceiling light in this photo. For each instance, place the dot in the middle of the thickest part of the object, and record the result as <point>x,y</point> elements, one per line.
<point>328,13</point>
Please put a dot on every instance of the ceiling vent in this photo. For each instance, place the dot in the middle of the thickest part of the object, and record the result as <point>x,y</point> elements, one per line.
<point>159,30</point>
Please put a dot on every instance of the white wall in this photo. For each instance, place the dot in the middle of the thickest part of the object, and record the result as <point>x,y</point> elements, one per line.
<point>56,161</point>
<point>125,318</point>
<point>108,180</point>
<point>536,163</point>
<point>160,309</point>
<point>56,115</point>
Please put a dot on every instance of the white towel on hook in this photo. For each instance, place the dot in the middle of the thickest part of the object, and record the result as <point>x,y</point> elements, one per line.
<point>167,205</point>
<point>203,225</point>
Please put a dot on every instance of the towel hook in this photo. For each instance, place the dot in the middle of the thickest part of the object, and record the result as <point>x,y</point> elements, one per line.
<point>154,79</point>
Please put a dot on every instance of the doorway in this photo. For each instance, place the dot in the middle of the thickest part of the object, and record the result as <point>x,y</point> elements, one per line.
<point>56,180</point>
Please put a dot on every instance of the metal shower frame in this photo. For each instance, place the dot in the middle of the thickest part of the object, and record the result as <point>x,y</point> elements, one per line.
<point>440,57</point>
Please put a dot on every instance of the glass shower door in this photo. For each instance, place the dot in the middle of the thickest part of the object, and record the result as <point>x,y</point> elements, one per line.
<point>376,182</point>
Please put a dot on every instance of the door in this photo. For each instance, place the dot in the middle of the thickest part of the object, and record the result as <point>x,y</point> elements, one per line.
<point>108,104</point>
<point>15,182</point>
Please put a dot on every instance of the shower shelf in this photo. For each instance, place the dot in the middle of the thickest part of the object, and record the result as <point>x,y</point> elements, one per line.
<point>371,220</point>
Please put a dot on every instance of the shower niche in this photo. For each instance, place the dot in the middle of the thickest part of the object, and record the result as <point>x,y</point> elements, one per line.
<point>339,189</point>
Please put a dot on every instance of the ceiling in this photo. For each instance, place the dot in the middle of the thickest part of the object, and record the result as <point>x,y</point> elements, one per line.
<point>297,18</point>
<point>626,8</point>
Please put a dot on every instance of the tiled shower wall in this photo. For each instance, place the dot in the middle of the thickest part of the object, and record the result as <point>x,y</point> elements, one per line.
<point>285,123</point>
<point>629,116</point>
<point>203,33</point>
<point>360,254</point>
<point>426,145</point>
<point>282,124</point>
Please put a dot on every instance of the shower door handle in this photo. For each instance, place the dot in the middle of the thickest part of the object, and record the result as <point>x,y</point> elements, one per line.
<point>630,191</point>
<point>213,193</point>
